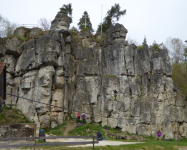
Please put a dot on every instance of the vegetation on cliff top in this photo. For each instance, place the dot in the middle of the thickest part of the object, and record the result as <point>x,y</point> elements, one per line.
<point>67,9</point>
<point>113,13</point>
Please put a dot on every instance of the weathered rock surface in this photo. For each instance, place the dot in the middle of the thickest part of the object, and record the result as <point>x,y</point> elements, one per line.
<point>76,74</point>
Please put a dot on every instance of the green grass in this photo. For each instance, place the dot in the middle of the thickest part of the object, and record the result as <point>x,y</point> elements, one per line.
<point>150,143</point>
<point>87,129</point>
<point>58,130</point>
<point>110,76</point>
<point>10,115</point>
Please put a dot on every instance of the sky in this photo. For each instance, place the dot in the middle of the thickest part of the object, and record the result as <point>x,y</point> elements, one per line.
<point>154,19</point>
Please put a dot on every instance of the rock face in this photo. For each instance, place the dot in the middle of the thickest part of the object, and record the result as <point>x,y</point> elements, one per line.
<point>77,74</point>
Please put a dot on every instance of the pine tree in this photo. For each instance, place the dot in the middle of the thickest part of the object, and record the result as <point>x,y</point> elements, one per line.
<point>67,9</point>
<point>74,29</point>
<point>81,23</point>
<point>113,13</point>
<point>144,41</point>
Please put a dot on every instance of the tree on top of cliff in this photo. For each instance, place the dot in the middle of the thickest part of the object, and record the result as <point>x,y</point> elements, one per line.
<point>44,23</point>
<point>156,46</point>
<point>143,43</point>
<point>74,29</point>
<point>113,13</point>
<point>67,9</point>
<point>176,48</point>
<point>81,23</point>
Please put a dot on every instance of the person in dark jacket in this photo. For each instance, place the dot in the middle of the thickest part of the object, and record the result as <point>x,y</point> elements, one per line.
<point>84,118</point>
<point>42,134</point>
<point>115,94</point>
<point>99,136</point>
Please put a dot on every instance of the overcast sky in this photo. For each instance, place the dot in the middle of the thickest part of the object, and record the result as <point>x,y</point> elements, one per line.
<point>155,19</point>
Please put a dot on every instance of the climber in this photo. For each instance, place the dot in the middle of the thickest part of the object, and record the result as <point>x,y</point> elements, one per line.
<point>115,94</point>
<point>83,118</point>
<point>78,117</point>
<point>146,73</point>
<point>99,136</point>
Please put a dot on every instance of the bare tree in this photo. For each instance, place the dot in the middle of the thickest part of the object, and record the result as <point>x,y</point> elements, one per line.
<point>6,27</point>
<point>176,48</point>
<point>44,23</point>
<point>132,41</point>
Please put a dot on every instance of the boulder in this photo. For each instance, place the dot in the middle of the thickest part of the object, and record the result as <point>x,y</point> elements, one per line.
<point>44,121</point>
<point>22,32</point>
<point>13,47</point>
<point>35,32</point>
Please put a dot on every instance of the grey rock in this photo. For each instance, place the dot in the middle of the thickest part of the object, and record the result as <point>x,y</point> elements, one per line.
<point>12,47</point>
<point>22,32</point>
<point>44,121</point>
<point>68,39</point>
<point>10,62</point>
<point>61,22</point>
<point>35,32</point>
<point>80,75</point>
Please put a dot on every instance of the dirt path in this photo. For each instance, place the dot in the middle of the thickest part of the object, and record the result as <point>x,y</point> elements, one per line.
<point>181,147</point>
<point>69,127</point>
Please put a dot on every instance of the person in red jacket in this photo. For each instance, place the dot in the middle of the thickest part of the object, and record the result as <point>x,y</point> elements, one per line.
<point>78,117</point>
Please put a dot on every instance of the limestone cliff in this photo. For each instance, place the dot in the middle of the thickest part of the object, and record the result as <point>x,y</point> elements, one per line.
<point>77,73</point>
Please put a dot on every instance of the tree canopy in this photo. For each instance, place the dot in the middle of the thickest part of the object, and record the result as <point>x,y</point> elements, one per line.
<point>113,13</point>
<point>81,23</point>
<point>156,46</point>
<point>176,48</point>
<point>67,9</point>
<point>74,29</point>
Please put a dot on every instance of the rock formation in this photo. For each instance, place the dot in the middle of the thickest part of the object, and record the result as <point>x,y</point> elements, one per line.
<point>77,74</point>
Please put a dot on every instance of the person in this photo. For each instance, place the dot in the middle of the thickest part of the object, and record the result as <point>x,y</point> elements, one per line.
<point>83,118</point>
<point>78,117</point>
<point>146,73</point>
<point>115,94</point>
<point>99,136</point>
<point>159,135</point>
<point>42,134</point>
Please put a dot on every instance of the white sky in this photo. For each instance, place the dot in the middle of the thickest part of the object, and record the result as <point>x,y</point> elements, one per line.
<point>156,19</point>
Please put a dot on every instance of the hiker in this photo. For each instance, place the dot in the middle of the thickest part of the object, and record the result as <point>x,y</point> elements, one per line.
<point>115,94</point>
<point>42,134</point>
<point>78,117</point>
<point>159,135</point>
<point>99,136</point>
<point>83,118</point>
